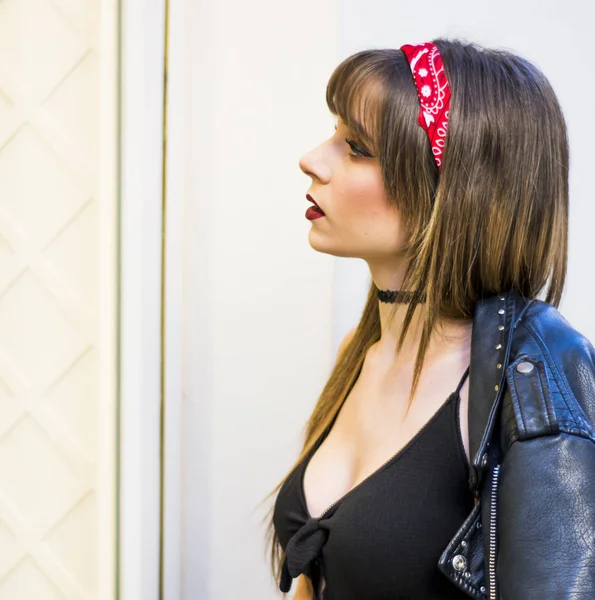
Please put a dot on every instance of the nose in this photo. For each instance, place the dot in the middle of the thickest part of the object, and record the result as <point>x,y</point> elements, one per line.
<point>305,164</point>
<point>315,166</point>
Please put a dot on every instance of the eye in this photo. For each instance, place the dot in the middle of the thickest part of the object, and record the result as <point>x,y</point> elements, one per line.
<point>357,151</point>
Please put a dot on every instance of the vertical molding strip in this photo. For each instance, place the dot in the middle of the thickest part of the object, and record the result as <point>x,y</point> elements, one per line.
<point>163,369</point>
<point>174,256</point>
<point>142,56</point>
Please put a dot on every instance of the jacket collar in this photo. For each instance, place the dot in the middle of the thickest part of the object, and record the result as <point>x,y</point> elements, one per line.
<point>494,319</point>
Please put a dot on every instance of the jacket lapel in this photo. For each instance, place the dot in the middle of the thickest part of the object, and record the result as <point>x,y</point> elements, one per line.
<point>491,338</point>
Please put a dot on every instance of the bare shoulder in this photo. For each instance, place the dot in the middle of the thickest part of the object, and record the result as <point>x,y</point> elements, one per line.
<point>345,342</point>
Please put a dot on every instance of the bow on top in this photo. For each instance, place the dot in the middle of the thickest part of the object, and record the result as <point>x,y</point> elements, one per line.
<point>302,551</point>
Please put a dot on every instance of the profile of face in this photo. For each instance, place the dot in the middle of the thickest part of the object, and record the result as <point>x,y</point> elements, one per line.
<point>360,220</point>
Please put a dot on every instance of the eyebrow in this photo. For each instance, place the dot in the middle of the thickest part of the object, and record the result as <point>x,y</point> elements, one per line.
<point>360,132</point>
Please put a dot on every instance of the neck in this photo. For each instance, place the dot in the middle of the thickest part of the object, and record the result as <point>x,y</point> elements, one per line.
<point>447,336</point>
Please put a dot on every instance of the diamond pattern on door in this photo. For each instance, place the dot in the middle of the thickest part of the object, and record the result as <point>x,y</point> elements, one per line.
<point>27,582</point>
<point>31,468</point>
<point>38,205</point>
<point>38,46</point>
<point>38,341</point>
<point>49,309</point>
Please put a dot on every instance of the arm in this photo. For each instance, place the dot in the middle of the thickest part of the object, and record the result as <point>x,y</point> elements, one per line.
<point>303,590</point>
<point>546,519</point>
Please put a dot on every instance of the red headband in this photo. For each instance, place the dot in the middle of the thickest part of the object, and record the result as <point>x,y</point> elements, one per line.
<point>433,91</point>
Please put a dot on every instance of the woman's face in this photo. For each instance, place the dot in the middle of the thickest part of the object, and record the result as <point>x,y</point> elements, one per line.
<point>347,185</point>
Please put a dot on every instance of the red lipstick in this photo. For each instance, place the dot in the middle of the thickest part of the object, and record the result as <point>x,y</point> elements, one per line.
<point>314,212</point>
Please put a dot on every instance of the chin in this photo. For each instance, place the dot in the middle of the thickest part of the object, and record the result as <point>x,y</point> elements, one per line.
<point>319,244</point>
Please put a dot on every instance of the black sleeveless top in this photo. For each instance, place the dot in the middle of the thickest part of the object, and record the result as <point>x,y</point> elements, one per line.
<point>382,539</point>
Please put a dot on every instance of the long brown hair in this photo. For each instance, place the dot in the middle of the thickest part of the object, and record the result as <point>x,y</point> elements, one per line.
<point>495,218</point>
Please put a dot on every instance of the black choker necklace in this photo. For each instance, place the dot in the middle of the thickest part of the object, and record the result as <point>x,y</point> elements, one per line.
<point>398,296</point>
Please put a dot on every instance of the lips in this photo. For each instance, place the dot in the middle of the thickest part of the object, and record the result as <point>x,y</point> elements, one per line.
<point>308,197</point>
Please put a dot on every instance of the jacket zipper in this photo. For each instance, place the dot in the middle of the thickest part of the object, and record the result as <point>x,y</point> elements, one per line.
<point>492,557</point>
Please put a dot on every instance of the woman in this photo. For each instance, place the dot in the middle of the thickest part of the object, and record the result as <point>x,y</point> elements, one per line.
<point>452,451</point>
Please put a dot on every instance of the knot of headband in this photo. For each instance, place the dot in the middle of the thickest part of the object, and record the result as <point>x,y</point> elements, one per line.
<point>433,91</point>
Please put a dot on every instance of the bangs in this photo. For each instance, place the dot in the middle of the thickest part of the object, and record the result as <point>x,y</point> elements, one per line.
<point>357,93</point>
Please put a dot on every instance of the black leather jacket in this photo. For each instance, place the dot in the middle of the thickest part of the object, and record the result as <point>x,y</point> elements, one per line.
<point>531,533</point>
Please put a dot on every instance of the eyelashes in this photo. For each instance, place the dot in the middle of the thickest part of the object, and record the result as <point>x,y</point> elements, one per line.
<point>357,150</point>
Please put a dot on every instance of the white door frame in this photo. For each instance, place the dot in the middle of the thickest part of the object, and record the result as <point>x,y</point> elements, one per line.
<point>142,60</point>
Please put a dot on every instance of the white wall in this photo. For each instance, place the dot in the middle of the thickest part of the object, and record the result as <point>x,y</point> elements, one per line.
<point>263,312</point>
<point>257,298</point>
